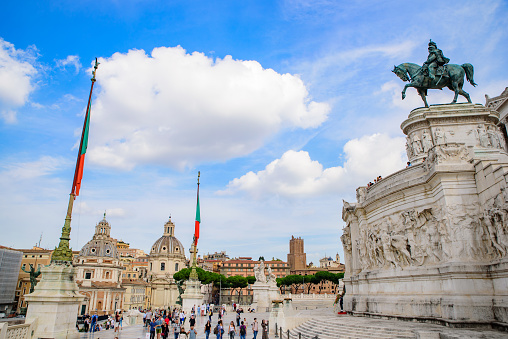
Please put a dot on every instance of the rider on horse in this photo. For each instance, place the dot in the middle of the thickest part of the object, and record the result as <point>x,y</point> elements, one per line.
<point>435,62</point>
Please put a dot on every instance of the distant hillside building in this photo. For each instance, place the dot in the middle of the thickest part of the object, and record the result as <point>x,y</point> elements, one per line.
<point>297,259</point>
<point>327,262</point>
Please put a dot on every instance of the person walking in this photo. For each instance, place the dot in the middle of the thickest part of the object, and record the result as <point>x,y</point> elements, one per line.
<point>255,328</point>
<point>117,322</point>
<point>264,326</point>
<point>192,333</point>
<point>232,330</point>
<point>165,330</point>
<point>94,322</point>
<point>243,330</point>
<point>153,326</point>
<point>176,328</point>
<point>238,318</point>
<point>208,328</point>
<point>218,330</point>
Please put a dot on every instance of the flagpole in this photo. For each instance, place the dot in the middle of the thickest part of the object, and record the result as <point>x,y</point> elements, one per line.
<point>194,274</point>
<point>63,252</point>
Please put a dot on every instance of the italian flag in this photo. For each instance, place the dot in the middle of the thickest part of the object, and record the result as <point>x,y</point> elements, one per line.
<point>198,220</point>
<point>80,163</point>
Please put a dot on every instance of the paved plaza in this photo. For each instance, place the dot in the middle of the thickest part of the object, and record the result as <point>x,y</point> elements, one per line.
<point>138,331</point>
<point>326,325</point>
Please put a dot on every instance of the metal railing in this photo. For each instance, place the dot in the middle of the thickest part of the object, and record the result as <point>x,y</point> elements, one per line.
<point>280,334</point>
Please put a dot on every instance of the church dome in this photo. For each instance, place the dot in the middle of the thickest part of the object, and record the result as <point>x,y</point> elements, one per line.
<point>168,243</point>
<point>101,245</point>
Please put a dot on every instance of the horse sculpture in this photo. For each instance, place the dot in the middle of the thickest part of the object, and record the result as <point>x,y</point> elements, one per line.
<point>452,76</point>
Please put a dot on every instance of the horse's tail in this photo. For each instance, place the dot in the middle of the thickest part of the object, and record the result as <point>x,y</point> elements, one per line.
<point>468,68</point>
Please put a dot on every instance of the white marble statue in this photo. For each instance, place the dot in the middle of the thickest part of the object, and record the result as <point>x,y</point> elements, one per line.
<point>259,272</point>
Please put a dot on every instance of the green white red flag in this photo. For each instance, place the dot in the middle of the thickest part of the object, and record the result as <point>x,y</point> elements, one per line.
<point>80,162</point>
<point>198,219</point>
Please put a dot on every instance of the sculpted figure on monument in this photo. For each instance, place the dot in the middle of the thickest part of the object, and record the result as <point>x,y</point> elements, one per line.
<point>417,144</point>
<point>409,148</point>
<point>482,136</point>
<point>426,141</point>
<point>435,75</point>
<point>493,137</point>
<point>259,272</point>
<point>434,65</point>
<point>271,277</point>
<point>361,193</point>
<point>439,136</point>
<point>34,274</point>
<point>346,240</point>
<point>492,232</point>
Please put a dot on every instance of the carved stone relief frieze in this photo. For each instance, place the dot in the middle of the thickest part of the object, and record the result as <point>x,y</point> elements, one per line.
<point>432,235</point>
<point>451,152</point>
<point>494,222</point>
<point>489,136</point>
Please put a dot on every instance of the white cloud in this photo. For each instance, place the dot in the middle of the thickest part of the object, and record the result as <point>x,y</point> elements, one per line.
<point>9,116</point>
<point>296,174</point>
<point>17,70</point>
<point>45,165</point>
<point>72,60</point>
<point>179,109</point>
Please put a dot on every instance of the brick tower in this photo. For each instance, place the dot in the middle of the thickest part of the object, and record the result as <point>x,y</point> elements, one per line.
<point>297,259</point>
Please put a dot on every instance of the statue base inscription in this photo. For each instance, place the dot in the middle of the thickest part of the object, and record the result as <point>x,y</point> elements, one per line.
<point>54,303</point>
<point>430,242</point>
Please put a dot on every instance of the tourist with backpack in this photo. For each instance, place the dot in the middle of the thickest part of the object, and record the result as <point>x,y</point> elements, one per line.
<point>243,330</point>
<point>218,330</point>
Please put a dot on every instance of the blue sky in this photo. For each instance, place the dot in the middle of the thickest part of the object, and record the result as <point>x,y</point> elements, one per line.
<point>285,107</point>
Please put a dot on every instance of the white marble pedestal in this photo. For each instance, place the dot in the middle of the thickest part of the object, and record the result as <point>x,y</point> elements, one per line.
<point>192,295</point>
<point>54,303</point>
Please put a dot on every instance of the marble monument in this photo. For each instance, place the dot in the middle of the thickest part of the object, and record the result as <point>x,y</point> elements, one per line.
<point>430,241</point>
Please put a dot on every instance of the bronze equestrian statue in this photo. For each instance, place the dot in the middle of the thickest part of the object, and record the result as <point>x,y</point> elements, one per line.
<point>435,73</point>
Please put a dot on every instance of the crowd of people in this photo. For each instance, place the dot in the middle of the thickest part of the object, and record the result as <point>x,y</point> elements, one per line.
<point>171,323</point>
<point>91,323</point>
<point>378,179</point>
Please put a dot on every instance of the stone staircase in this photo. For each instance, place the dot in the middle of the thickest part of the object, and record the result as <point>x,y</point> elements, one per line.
<point>349,327</point>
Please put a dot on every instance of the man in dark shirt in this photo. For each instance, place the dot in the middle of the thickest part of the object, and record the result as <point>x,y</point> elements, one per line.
<point>192,321</point>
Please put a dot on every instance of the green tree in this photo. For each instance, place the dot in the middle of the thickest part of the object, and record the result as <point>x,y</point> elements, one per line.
<point>251,280</point>
<point>261,258</point>
<point>294,280</point>
<point>237,282</point>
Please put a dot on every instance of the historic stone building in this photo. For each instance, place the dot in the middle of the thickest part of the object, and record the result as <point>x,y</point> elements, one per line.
<point>430,242</point>
<point>297,259</point>
<point>500,104</point>
<point>167,256</point>
<point>99,273</point>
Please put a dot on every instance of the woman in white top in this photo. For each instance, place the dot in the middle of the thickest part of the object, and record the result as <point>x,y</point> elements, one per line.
<point>232,330</point>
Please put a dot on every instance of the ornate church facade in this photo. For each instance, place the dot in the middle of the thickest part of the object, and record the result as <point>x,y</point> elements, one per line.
<point>99,273</point>
<point>167,256</point>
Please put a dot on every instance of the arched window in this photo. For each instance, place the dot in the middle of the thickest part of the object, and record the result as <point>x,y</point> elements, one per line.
<point>163,266</point>
<point>107,275</point>
<point>176,267</point>
<point>150,266</point>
